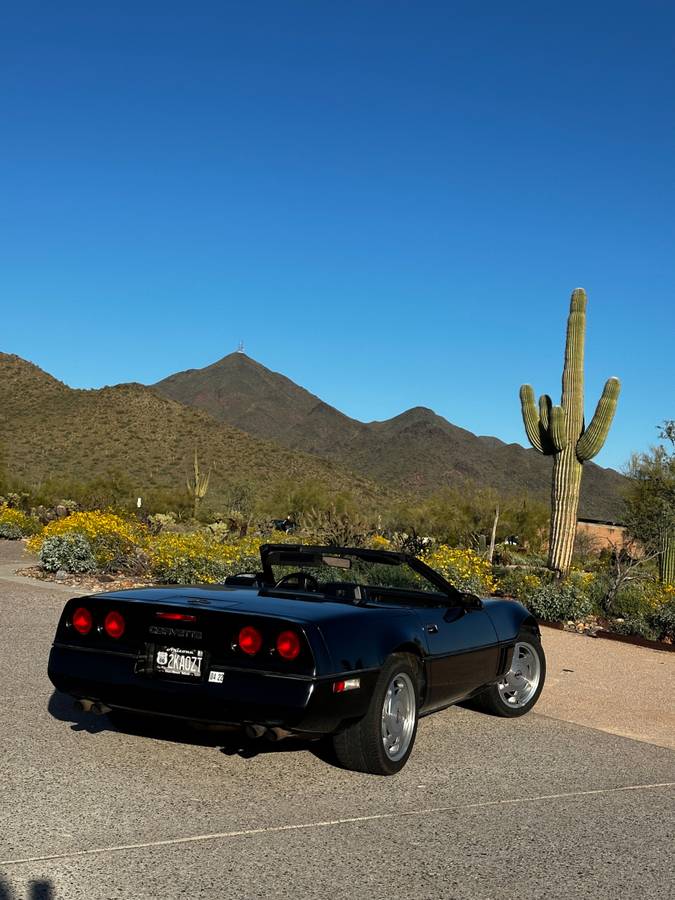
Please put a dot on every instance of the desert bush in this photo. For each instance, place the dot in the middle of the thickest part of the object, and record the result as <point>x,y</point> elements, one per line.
<point>645,607</point>
<point>508,555</point>
<point>199,558</point>
<point>16,500</point>
<point>13,520</point>
<point>335,527</point>
<point>458,516</point>
<point>69,552</point>
<point>160,521</point>
<point>519,583</point>
<point>639,598</point>
<point>560,601</point>
<point>413,543</point>
<point>219,530</point>
<point>295,499</point>
<point>663,618</point>
<point>380,542</point>
<point>465,569</point>
<point>115,542</point>
<point>10,532</point>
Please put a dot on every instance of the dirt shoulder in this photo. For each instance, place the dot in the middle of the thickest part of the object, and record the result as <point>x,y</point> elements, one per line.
<point>618,688</point>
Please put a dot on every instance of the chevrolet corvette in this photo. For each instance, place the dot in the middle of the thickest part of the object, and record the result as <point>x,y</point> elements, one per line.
<point>347,644</point>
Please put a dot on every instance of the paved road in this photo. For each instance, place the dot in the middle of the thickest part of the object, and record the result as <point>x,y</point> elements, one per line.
<point>486,808</point>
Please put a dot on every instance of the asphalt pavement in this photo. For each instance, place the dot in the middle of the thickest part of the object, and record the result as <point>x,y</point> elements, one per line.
<point>486,808</point>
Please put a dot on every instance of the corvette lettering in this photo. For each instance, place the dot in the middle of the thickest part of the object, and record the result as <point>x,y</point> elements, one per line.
<point>165,631</point>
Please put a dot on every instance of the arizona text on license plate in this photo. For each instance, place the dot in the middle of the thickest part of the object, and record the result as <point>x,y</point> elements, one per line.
<point>176,661</point>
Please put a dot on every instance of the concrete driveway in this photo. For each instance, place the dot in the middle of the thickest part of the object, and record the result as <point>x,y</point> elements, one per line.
<point>486,808</point>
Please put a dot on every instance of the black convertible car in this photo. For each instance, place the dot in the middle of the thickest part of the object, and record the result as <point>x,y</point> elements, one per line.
<point>325,641</point>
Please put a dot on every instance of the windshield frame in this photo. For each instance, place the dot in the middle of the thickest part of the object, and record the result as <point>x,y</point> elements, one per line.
<point>273,554</point>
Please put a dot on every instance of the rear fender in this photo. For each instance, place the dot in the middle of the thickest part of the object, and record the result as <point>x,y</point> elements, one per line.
<point>376,639</point>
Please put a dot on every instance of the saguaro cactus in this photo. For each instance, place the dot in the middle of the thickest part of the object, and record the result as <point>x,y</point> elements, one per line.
<point>197,486</point>
<point>667,557</point>
<point>559,431</point>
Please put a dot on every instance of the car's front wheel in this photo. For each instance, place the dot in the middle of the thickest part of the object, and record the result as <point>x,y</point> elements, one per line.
<point>518,689</point>
<point>381,742</point>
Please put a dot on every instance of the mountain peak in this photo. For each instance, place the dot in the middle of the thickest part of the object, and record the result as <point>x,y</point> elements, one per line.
<point>417,450</point>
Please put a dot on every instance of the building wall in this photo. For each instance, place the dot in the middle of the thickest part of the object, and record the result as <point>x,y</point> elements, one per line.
<point>602,536</point>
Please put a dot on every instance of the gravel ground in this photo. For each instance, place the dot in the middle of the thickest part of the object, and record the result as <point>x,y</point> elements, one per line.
<point>486,808</point>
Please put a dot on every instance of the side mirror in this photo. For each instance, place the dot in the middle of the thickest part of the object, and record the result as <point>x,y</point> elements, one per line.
<point>470,601</point>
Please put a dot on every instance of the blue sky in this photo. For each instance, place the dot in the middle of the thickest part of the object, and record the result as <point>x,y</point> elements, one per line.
<point>389,202</point>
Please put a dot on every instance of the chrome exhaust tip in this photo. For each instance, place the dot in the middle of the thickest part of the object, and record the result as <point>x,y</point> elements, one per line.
<point>254,731</point>
<point>276,734</point>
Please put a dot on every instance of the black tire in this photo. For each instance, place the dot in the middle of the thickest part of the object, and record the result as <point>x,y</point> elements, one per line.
<point>493,700</point>
<point>360,746</point>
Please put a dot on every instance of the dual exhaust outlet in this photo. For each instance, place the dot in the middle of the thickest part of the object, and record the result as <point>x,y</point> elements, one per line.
<point>262,731</point>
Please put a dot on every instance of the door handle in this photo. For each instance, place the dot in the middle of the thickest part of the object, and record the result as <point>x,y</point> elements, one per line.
<point>432,629</point>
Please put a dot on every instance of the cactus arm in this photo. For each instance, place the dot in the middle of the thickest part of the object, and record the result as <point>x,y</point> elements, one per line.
<point>531,417</point>
<point>558,430</point>
<point>545,404</point>
<point>594,436</point>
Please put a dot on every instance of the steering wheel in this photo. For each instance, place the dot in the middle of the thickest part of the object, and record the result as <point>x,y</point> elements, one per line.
<point>300,580</point>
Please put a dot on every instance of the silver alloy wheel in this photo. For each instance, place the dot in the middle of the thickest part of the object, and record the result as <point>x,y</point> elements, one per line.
<point>398,716</point>
<point>520,683</point>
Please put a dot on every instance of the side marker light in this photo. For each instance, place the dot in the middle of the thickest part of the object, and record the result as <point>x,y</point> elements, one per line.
<point>349,684</point>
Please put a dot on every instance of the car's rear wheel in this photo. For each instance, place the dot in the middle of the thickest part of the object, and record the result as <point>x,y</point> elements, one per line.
<point>518,690</point>
<point>381,742</point>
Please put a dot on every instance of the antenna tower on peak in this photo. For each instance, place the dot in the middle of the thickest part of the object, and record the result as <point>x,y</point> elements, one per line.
<point>240,348</point>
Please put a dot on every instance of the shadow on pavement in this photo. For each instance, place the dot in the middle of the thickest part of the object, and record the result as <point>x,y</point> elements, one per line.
<point>37,890</point>
<point>229,740</point>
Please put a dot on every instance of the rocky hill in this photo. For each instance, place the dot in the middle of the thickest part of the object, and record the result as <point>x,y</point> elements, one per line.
<point>48,429</point>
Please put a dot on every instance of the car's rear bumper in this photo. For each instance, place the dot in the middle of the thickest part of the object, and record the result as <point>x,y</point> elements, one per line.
<point>295,703</point>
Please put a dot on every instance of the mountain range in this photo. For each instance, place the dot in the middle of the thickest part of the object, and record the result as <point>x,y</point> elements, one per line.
<point>417,450</point>
<point>257,425</point>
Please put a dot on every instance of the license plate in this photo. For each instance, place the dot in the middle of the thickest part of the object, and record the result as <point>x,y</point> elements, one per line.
<point>175,661</point>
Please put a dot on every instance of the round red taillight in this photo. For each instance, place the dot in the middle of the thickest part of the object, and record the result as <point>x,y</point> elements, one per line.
<point>114,624</point>
<point>250,640</point>
<point>288,645</point>
<point>82,620</point>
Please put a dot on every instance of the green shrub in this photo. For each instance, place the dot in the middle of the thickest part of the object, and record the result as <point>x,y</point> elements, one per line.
<point>219,530</point>
<point>647,609</point>
<point>560,601</point>
<point>10,532</point>
<point>113,540</point>
<point>663,620</point>
<point>70,552</point>
<point>191,570</point>
<point>636,624</point>
<point>465,569</point>
<point>26,525</point>
<point>198,558</point>
<point>635,599</point>
<point>519,583</point>
<point>160,521</point>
